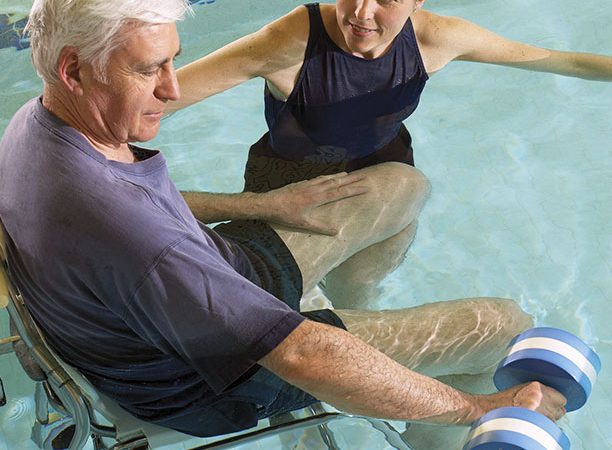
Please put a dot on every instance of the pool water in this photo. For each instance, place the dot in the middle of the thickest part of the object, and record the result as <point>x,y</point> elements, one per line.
<point>520,165</point>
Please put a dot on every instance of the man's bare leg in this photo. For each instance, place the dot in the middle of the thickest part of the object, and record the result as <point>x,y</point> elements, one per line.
<point>443,338</point>
<point>355,284</point>
<point>459,342</point>
<point>396,194</point>
<point>470,333</point>
<point>437,339</point>
<point>424,436</point>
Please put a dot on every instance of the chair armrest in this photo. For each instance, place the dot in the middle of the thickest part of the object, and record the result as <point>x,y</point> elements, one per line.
<point>4,293</point>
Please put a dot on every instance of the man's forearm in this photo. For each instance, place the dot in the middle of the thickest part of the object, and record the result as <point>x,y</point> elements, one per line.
<point>344,371</point>
<point>209,208</point>
<point>292,205</point>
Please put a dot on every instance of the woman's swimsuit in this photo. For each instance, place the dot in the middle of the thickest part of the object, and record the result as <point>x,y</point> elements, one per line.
<point>343,114</point>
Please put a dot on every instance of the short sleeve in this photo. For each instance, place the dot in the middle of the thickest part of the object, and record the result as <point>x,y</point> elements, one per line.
<point>194,305</point>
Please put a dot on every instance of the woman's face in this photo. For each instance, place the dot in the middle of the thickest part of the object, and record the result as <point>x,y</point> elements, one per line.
<point>370,26</point>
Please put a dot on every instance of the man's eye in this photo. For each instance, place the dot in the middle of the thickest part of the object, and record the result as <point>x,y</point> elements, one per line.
<point>149,73</point>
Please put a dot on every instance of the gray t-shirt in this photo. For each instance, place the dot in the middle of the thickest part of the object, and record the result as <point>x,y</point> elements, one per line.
<point>126,284</point>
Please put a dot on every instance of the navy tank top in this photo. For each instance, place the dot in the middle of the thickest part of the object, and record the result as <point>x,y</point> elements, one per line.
<point>344,107</point>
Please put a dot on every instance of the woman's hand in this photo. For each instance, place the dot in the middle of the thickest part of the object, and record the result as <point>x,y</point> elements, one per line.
<point>292,205</point>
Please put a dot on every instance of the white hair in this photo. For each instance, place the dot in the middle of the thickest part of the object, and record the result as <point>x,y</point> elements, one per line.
<point>92,26</point>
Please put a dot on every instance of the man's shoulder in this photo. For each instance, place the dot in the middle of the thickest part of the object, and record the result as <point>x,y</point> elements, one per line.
<point>19,121</point>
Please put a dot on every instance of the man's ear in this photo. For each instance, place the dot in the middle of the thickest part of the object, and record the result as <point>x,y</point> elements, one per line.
<point>69,69</point>
<point>419,4</point>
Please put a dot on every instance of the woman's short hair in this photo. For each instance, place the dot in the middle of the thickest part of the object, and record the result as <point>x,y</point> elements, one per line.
<point>92,26</point>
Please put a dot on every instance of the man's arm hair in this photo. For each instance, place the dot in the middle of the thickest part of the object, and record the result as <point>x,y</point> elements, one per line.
<point>342,370</point>
<point>290,205</point>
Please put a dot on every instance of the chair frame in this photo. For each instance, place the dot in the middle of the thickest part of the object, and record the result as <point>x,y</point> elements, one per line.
<point>93,414</point>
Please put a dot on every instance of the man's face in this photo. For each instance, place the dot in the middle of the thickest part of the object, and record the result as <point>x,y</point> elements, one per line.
<point>141,79</point>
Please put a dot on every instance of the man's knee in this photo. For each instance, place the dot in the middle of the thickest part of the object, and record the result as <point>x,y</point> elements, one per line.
<point>401,176</point>
<point>375,261</point>
<point>506,313</point>
<point>397,192</point>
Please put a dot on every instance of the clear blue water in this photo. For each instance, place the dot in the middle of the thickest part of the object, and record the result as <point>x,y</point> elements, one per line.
<point>520,165</point>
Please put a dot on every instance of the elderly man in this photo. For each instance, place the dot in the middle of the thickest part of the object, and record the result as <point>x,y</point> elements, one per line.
<point>198,329</point>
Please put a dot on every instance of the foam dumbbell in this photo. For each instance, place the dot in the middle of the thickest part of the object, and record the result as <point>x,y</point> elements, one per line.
<point>553,357</point>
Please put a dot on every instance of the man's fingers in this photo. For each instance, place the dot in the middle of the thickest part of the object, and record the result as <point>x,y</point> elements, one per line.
<point>339,179</point>
<point>311,226</point>
<point>323,178</point>
<point>343,178</point>
<point>557,402</point>
<point>558,397</point>
<point>342,192</point>
<point>352,177</point>
<point>322,228</point>
<point>554,413</point>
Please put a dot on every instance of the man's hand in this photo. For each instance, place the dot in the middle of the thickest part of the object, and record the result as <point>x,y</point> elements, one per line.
<point>534,396</point>
<point>293,205</point>
<point>542,399</point>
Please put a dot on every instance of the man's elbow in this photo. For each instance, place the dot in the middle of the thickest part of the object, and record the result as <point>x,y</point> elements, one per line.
<point>297,359</point>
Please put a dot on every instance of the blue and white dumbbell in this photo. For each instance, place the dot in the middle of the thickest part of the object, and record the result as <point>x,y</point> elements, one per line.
<point>553,357</point>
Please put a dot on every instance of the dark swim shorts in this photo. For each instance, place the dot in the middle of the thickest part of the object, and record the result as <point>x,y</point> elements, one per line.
<point>276,269</point>
<point>266,170</point>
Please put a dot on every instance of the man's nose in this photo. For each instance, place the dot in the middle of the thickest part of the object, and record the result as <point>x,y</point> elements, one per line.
<point>168,87</point>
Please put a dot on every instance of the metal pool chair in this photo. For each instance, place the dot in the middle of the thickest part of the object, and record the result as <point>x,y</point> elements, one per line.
<point>93,415</point>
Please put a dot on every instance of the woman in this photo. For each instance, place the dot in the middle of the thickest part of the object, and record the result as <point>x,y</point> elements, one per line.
<point>340,79</point>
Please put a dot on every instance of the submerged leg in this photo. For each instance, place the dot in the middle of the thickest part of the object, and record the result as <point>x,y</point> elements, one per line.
<point>459,342</point>
<point>356,282</point>
<point>453,337</point>
<point>395,197</point>
<point>425,436</point>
